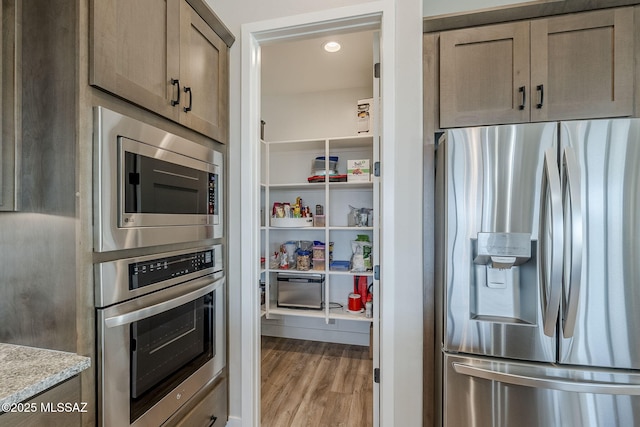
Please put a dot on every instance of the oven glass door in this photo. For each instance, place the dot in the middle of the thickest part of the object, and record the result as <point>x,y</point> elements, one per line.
<point>167,348</point>
<point>157,350</point>
<point>160,187</point>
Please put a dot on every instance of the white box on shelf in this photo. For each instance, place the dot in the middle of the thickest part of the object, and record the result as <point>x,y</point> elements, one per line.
<point>358,170</point>
<point>292,222</point>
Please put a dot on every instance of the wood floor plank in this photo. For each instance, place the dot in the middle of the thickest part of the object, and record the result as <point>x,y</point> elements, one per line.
<point>310,384</point>
<point>347,372</point>
<point>336,411</point>
<point>310,409</point>
<point>361,410</point>
<point>290,382</point>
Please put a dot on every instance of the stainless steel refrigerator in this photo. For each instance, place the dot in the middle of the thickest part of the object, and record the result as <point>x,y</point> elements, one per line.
<point>538,274</point>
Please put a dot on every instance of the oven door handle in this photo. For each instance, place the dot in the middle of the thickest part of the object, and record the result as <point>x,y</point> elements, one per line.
<point>152,310</point>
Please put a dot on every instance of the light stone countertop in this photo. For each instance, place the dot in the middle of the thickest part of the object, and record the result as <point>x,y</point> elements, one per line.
<point>27,371</point>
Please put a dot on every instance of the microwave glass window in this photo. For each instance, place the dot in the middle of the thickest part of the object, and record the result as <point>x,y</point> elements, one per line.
<point>154,186</point>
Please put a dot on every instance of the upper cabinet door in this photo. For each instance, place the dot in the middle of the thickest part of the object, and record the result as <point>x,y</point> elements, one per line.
<point>204,71</point>
<point>161,55</point>
<point>135,51</point>
<point>484,75</point>
<point>10,106</point>
<point>582,65</point>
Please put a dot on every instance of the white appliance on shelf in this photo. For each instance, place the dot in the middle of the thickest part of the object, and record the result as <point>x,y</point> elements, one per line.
<point>538,237</point>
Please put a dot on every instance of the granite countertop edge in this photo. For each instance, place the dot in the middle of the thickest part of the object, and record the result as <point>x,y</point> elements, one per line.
<point>28,371</point>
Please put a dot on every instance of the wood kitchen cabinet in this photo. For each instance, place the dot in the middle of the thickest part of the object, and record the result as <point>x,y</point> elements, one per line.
<point>10,95</point>
<point>209,411</point>
<point>204,71</point>
<point>163,56</point>
<point>59,406</point>
<point>582,65</point>
<point>484,75</point>
<point>566,67</point>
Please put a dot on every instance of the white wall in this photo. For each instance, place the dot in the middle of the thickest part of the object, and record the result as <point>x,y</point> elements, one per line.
<point>312,115</point>
<point>234,13</point>
<point>442,7</point>
<point>314,329</point>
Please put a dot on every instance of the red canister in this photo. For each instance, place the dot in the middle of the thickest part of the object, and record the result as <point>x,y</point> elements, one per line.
<point>355,302</point>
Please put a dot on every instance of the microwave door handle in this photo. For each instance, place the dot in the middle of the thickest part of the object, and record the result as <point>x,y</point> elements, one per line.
<point>143,313</point>
<point>194,178</point>
<point>300,280</point>
<point>551,249</point>
<point>574,239</point>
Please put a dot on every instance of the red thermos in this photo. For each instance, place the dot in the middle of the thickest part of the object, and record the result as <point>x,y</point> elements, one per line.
<point>361,286</point>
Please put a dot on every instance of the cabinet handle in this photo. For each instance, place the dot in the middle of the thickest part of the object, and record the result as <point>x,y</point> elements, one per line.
<point>540,90</point>
<point>213,420</point>
<point>188,90</point>
<point>523,91</point>
<point>176,82</point>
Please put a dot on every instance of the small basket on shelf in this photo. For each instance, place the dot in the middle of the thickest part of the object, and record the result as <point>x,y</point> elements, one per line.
<point>292,222</point>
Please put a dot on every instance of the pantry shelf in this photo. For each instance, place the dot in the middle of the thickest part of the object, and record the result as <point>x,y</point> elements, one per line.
<point>293,270</point>
<point>275,310</point>
<point>351,273</point>
<point>350,185</point>
<point>349,228</point>
<point>313,271</point>
<point>300,186</point>
<point>336,208</point>
<point>342,314</point>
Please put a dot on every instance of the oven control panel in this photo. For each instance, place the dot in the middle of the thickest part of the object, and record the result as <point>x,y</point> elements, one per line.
<point>126,278</point>
<point>145,273</point>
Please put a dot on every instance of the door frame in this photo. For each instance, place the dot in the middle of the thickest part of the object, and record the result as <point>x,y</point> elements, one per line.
<point>348,19</point>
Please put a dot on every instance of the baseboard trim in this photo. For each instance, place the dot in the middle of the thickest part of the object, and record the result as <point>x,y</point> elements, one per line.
<point>340,337</point>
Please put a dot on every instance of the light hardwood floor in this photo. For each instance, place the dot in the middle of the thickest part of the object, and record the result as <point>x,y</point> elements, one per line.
<point>308,383</point>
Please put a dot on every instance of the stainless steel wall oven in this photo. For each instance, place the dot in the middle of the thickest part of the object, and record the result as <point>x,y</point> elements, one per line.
<point>160,333</point>
<point>152,187</point>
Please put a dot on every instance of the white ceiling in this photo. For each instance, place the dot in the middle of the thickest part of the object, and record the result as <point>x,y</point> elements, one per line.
<point>290,67</point>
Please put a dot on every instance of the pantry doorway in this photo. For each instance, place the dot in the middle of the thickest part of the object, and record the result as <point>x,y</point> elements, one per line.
<point>255,38</point>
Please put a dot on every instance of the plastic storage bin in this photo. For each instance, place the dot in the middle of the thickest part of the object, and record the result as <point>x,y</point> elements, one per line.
<point>339,265</point>
<point>318,251</point>
<point>318,264</point>
<point>319,165</point>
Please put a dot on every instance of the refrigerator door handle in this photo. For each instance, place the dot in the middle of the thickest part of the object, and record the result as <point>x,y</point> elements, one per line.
<point>573,237</point>
<point>561,384</point>
<point>550,242</point>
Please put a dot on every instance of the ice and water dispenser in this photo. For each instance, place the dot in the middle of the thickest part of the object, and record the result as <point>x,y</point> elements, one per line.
<point>504,283</point>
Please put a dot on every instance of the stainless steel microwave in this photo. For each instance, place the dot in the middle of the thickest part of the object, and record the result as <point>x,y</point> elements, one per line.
<point>152,187</point>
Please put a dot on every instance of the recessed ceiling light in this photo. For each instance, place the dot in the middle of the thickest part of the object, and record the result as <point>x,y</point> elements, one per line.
<point>332,46</point>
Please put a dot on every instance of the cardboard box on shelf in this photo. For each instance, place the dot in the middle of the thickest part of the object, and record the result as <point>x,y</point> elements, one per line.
<point>358,170</point>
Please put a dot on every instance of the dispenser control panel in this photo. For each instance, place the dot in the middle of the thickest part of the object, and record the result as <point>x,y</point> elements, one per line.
<point>503,250</point>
